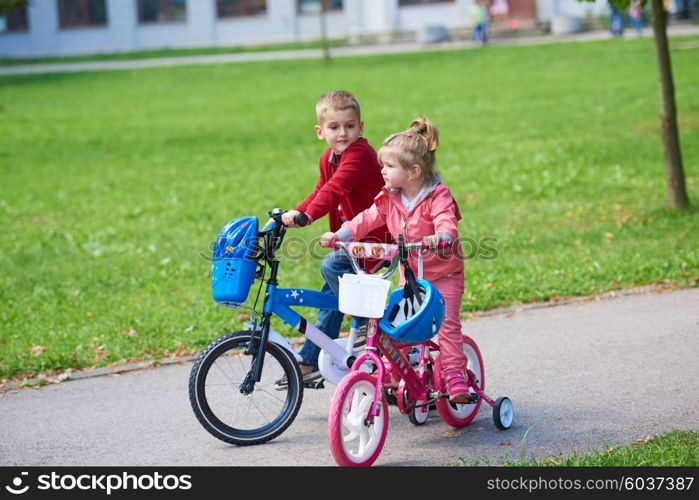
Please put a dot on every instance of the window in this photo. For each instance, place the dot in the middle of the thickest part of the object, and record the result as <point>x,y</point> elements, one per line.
<point>313,6</point>
<point>422,2</point>
<point>13,19</point>
<point>162,11</point>
<point>81,13</point>
<point>240,8</point>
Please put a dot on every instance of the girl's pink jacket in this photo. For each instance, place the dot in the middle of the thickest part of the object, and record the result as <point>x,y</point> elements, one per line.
<point>436,213</point>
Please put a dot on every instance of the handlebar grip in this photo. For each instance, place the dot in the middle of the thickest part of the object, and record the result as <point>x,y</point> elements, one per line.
<point>302,220</point>
<point>442,245</point>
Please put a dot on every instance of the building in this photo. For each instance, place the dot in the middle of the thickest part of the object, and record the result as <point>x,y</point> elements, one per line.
<point>71,27</point>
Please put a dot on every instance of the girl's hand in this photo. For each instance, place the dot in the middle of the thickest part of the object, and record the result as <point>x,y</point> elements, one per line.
<point>288,218</point>
<point>432,241</point>
<point>328,240</point>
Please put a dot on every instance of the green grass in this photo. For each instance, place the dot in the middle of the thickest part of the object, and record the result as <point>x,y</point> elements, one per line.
<point>158,53</point>
<point>113,183</point>
<point>672,449</point>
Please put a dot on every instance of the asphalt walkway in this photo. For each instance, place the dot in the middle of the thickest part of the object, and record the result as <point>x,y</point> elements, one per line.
<point>580,375</point>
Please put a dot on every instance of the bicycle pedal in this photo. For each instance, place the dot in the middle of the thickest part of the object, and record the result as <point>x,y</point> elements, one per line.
<point>317,384</point>
<point>473,399</point>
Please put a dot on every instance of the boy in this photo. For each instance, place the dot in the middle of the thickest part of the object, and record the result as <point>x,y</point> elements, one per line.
<point>350,178</point>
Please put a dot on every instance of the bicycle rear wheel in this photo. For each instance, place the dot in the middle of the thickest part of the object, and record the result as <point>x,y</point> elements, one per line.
<point>460,415</point>
<point>236,418</point>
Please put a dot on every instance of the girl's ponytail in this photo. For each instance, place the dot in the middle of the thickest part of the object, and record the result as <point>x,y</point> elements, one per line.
<point>425,128</point>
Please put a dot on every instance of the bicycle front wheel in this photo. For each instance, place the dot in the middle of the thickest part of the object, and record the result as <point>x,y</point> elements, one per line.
<point>234,417</point>
<point>353,440</point>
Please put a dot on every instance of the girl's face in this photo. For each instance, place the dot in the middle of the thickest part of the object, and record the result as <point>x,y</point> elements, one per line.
<point>395,176</point>
<point>340,128</point>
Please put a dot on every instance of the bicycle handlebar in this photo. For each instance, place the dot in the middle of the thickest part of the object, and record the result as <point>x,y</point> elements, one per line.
<point>302,220</point>
<point>381,251</point>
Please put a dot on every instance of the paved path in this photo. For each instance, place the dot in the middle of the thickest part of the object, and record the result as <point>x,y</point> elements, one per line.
<point>67,67</point>
<point>580,375</point>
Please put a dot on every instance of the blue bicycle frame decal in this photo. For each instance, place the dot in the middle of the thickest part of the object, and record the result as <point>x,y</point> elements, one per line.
<point>279,301</point>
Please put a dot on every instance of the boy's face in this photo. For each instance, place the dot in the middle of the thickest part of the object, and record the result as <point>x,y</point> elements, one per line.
<point>339,129</point>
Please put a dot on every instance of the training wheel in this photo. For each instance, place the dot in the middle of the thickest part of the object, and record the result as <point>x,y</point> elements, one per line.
<point>418,415</point>
<point>503,413</point>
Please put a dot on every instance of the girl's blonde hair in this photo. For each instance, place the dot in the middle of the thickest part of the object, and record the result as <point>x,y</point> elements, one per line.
<point>415,146</point>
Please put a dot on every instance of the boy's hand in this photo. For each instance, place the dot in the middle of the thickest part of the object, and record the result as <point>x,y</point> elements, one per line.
<point>328,240</point>
<point>288,218</point>
<point>432,241</point>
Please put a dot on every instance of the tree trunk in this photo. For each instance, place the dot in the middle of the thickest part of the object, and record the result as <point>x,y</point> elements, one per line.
<point>677,192</point>
<point>324,32</point>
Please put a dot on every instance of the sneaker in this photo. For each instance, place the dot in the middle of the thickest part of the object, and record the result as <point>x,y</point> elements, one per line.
<point>457,386</point>
<point>308,374</point>
<point>361,336</point>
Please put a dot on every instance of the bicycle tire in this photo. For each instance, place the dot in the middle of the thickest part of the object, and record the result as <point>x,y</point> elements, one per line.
<point>350,405</point>
<point>460,415</point>
<point>207,385</point>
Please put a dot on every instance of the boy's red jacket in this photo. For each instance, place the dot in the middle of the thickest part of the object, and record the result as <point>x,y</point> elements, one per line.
<point>352,185</point>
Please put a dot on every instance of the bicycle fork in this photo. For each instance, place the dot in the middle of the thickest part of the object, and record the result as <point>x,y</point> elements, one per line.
<point>256,348</point>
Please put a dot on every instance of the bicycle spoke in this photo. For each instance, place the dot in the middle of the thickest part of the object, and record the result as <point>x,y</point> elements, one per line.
<point>223,371</point>
<point>270,394</point>
<point>252,402</point>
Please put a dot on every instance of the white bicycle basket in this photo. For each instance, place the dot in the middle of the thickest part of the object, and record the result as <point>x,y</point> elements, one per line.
<point>363,295</point>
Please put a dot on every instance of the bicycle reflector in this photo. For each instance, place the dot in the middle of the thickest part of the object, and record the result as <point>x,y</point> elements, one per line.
<point>232,271</point>
<point>411,318</point>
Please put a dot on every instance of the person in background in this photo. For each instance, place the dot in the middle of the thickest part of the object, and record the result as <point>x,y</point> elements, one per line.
<point>636,16</point>
<point>479,15</point>
<point>616,22</point>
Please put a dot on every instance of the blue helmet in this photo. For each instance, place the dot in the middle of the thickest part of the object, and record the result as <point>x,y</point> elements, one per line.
<point>408,321</point>
<point>236,239</point>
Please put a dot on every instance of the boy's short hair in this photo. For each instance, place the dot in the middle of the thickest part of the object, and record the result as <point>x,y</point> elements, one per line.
<point>336,100</point>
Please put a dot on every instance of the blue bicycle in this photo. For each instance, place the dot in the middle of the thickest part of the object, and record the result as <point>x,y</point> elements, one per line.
<point>231,395</point>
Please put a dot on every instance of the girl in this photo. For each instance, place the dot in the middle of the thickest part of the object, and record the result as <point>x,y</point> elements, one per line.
<point>417,205</point>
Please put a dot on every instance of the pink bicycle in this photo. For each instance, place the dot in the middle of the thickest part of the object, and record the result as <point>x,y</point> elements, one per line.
<point>394,366</point>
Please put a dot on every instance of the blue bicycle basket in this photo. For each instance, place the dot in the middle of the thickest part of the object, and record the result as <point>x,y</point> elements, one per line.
<point>409,321</point>
<point>232,272</point>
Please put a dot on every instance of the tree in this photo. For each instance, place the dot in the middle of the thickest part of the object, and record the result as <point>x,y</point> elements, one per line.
<point>677,191</point>
<point>8,5</point>
<point>324,30</point>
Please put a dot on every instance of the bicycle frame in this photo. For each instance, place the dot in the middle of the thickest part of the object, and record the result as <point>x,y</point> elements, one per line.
<point>278,302</point>
<point>414,382</point>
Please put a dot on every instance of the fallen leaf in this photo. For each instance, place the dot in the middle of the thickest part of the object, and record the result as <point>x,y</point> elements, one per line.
<point>242,317</point>
<point>37,350</point>
<point>100,352</point>
<point>128,331</point>
<point>180,349</point>
<point>452,433</point>
<point>641,440</point>
<point>505,443</point>
<point>553,461</point>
